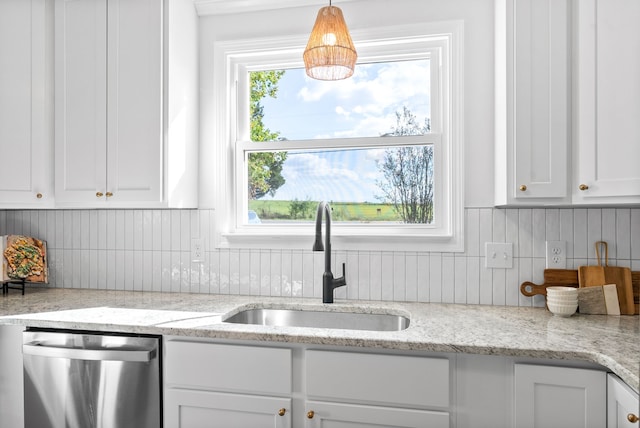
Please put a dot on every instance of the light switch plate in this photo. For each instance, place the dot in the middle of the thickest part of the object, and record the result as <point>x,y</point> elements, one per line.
<point>498,255</point>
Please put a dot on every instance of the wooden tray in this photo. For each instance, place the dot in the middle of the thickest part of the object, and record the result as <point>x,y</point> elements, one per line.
<point>569,278</point>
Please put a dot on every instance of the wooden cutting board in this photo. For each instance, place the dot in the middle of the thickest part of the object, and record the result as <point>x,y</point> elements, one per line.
<point>589,276</point>
<point>569,278</point>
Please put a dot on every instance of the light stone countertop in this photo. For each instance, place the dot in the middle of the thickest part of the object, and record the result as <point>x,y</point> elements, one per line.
<point>613,342</point>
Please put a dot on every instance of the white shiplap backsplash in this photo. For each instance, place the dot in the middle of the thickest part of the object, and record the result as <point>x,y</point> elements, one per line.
<point>151,250</point>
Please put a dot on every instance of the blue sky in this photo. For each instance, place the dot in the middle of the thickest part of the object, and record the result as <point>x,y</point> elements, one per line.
<point>361,106</point>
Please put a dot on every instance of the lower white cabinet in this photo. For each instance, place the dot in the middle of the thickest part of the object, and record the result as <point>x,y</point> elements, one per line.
<point>224,386</point>
<point>229,384</point>
<point>185,408</point>
<point>322,414</point>
<point>559,397</point>
<point>396,389</point>
<point>623,405</point>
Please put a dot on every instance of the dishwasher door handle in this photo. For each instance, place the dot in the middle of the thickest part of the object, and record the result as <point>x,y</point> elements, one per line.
<point>132,356</point>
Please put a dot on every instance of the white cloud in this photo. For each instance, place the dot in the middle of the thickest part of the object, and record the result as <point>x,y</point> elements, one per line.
<point>371,97</point>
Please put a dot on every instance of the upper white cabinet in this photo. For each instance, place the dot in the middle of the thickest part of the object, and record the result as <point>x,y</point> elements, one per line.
<point>567,102</point>
<point>26,104</point>
<point>607,101</point>
<point>532,101</point>
<point>126,113</point>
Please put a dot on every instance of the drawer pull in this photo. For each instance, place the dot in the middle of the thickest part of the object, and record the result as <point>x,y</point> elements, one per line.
<point>523,187</point>
<point>109,194</point>
<point>632,418</point>
<point>282,412</point>
<point>583,187</point>
<point>39,195</point>
<point>310,414</point>
<point>99,194</point>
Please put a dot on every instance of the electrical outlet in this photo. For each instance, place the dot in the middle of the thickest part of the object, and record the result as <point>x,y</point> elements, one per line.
<point>196,250</point>
<point>498,255</point>
<point>556,254</point>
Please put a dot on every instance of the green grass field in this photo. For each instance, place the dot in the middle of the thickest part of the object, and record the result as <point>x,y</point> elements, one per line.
<point>306,210</point>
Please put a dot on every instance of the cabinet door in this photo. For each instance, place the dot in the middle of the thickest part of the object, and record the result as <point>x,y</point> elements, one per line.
<point>81,100</point>
<point>26,139</point>
<point>607,102</point>
<point>134,101</point>
<point>336,415</point>
<point>108,102</point>
<point>559,397</point>
<point>532,101</point>
<point>185,408</point>
<point>623,405</point>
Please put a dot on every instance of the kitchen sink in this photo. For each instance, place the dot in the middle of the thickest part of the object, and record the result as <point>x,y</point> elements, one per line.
<point>320,319</point>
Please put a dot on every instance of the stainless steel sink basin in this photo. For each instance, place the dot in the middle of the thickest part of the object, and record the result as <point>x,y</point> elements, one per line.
<point>320,319</point>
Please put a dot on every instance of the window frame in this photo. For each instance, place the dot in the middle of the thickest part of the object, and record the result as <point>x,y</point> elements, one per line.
<point>233,59</point>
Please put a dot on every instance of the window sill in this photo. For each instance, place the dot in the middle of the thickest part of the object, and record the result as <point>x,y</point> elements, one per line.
<point>299,239</point>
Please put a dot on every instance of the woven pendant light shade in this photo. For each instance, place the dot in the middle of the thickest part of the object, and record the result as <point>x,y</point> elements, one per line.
<point>330,54</point>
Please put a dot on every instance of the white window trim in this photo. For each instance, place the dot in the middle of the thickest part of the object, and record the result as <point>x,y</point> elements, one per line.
<point>229,234</point>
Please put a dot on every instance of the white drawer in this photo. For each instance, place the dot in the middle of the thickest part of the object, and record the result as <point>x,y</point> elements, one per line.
<point>392,379</point>
<point>252,369</point>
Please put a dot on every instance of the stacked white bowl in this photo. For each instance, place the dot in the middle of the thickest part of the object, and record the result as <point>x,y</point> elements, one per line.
<point>562,301</point>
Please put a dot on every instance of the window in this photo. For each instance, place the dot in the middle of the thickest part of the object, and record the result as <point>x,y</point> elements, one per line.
<point>383,147</point>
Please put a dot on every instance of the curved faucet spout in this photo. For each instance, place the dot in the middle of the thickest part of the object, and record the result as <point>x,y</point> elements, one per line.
<point>329,283</point>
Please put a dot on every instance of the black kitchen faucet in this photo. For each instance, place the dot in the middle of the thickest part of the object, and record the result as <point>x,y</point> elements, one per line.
<point>329,283</point>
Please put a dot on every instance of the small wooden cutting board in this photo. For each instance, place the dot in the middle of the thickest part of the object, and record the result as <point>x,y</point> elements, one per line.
<point>589,276</point>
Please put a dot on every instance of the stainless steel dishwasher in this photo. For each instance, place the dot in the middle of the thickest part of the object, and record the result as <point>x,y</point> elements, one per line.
<point>91,380</point>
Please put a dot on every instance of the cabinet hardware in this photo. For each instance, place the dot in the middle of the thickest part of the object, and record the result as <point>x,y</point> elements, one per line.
<point>523,187</point>
<point>99,194</point>
<point>632,418</point>
<point>109,194</point>
<point>282,411</point>
<point>583,187</point>
<point>310,414</point>
<point>39,195</point>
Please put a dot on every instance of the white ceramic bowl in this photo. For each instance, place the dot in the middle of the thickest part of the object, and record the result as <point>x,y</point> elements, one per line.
<point>562,310</point>
<point>562,291</point>
<point>562,300</point>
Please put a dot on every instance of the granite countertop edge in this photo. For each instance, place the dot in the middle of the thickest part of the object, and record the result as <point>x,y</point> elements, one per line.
<point>612,342</point>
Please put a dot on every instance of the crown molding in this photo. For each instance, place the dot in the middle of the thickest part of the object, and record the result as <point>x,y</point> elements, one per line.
<point>225,7</point>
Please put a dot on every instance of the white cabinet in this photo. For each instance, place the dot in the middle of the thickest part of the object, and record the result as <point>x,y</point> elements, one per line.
<point>623,405</point>
<point>227,385</point>
<point>607,102</point>
<point>123,136</point>
<point>218,385</point>
<point>547,396</point>
<point>346,389</point>
<point>185,408</point>
<point>335,415</point>
<point>26,104</point>
<point>532,101</point>
<point>567,102</point>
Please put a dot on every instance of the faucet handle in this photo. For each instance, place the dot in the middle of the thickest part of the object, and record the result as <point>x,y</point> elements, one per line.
<point>343,271</point>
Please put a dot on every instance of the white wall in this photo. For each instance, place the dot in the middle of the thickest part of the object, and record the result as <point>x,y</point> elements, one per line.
<point>478,69</point>
<point>150,249</point>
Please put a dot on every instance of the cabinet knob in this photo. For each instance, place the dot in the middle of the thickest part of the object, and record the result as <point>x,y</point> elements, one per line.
<point>99,194</point>
<point>583,187</point>
<point>632,418</point>
<point>523,187</point>
<point>109,194</point>
<point>282,412</point>
<point>310,414</point>
<point>39,195</point>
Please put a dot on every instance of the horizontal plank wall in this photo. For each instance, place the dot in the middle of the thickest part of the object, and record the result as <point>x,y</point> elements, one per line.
<point>150,250</point>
